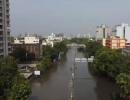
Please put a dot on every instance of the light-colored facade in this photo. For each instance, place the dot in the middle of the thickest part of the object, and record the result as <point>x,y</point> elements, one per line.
<point>123,31</point>
<point>52,39</point>
<point>27,40</point>
<point>30,43</point>
<point>5,49</point>
<point>103,31</point>
<point>55,37</point>
<point>115,42</point>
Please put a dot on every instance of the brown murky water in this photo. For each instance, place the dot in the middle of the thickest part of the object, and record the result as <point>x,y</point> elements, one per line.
<point>55,85</point>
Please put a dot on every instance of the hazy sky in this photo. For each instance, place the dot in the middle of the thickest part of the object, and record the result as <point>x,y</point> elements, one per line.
<point>68,16</point>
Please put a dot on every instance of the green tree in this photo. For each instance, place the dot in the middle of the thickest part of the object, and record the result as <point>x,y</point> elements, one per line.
<point>107,62</point>
<point>92,47</point>
<point>45,64</point>
<point>60,47</point>
<point>123,80</point>
<point>8,69</point>
<point>20,90</point>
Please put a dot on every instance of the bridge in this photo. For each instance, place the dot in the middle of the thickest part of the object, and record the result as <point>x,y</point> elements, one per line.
<point>76,45</point>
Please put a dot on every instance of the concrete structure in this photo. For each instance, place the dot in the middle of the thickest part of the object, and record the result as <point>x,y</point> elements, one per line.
<point>52,39</point>
<point>55,37</point>
<point>5,49</point>
<point>123,31</point>
<point>115,42</point>
<point>32,44</point>
<point>29,39</point>
<point>103,31</point>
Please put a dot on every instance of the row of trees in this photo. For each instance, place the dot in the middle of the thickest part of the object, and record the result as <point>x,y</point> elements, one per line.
<point>12,85</point>
<point>112,64</point>
<point>51,55</point>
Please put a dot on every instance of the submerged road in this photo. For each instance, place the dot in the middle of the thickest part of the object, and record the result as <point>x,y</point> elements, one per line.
<point>56,83</point>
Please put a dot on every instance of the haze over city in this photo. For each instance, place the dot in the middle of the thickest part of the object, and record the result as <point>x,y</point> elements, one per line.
<point>67,16</point>
<point>64,50</point>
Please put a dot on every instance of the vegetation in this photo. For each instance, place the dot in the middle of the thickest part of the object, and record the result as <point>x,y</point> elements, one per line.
<point>112,64</point>
<point>8,74</point>
<point>51,55</point>
<point>20,89</point>
<point>109,63</point>
<point>123,80</point>
<point>45,64</point>
<point>8,69</point>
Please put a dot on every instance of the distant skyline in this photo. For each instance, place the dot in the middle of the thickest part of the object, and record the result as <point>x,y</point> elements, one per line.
<point>66,16</point>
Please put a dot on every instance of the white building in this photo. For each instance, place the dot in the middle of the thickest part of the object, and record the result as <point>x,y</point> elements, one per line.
<point>103,31</point>
<point>5,49</point>
<point>52,39</point>
<point>123,31</point>
<point>27,40</point>
<point>55,37</point>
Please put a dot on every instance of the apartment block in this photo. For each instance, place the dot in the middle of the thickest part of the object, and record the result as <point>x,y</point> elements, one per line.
<point>102,32</point>
<point>5,47</point>
<point>123,31</point>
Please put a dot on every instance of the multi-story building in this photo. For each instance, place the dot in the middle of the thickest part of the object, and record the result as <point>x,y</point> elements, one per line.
<point>123,31</point>
<point>29,39</point>
<point>103,31</point>
<point>30,43</point>
<point>5,49</point>
<point>115,42</point>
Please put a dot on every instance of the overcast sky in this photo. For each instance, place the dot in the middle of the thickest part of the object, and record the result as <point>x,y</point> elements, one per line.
<point>67,16</point>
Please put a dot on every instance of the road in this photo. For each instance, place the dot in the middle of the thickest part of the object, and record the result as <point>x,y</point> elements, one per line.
<point>55,84</point>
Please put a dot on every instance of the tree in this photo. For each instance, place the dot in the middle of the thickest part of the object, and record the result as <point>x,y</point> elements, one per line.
<point>108,62</point>
<point>60,47</point>
<point>20,90</point>
<point>92,47</point>
<point>45,64</point>
<point>123,80</point>
<point>8,69</point>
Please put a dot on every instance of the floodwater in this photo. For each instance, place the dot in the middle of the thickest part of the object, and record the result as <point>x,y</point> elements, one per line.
<point>56,84</point>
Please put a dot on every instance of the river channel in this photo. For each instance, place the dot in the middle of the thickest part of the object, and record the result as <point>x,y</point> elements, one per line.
<point>55,84</point>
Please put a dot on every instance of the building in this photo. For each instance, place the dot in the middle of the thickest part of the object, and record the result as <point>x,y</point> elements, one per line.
<point>55,37</point>
<point>34,49</point>
<point>52,39</point>
<point>103,31</point>
<point>123,31</point>
<point>32,44</point>
<point>115,42</point>
<point>29,39</point>
<point>5,47</point>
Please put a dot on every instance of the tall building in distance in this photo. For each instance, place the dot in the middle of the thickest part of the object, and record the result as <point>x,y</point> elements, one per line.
<point>4,28</point>
<point>123,31</point>
<point>103,32</point>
